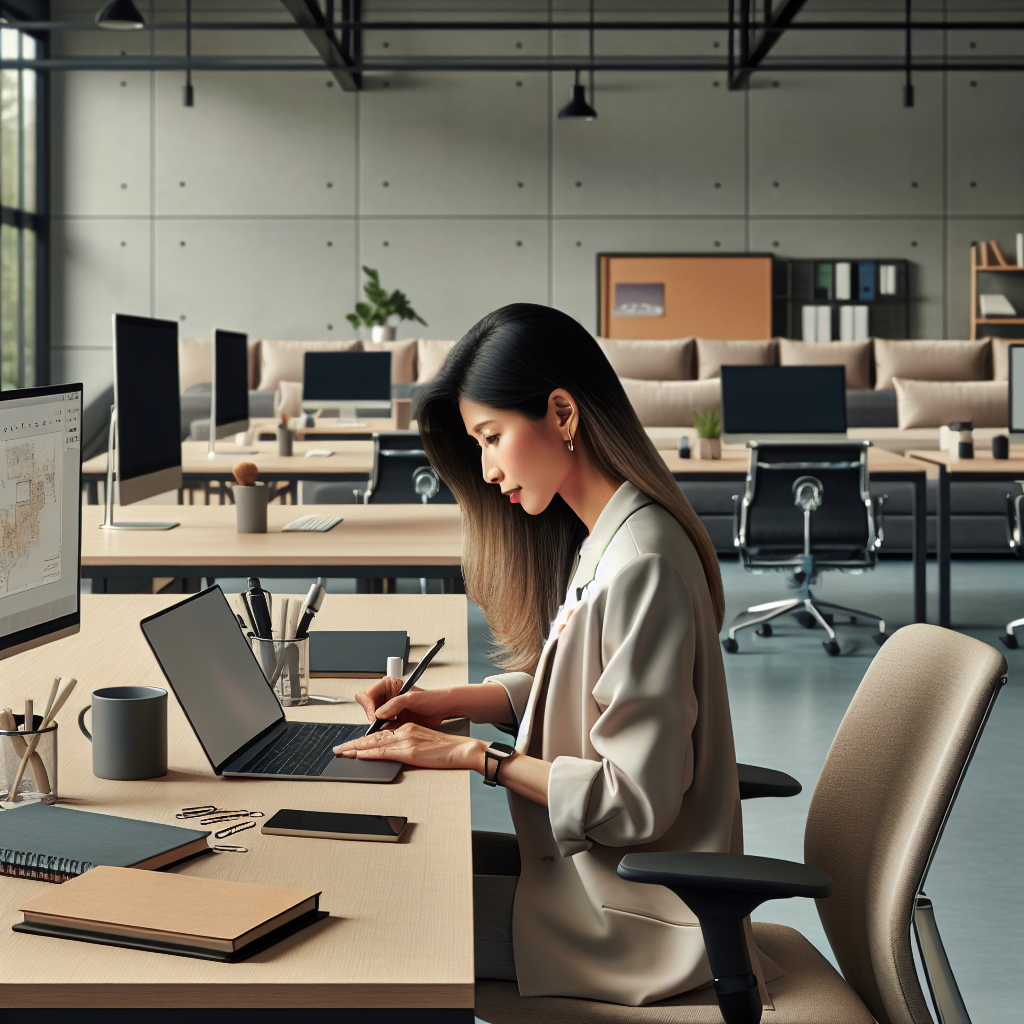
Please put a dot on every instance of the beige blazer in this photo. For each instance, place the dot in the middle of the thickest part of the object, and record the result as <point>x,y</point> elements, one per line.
<point>629,705</point>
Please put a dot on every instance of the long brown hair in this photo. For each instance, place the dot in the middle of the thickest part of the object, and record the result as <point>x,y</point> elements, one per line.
<point>516,565</point>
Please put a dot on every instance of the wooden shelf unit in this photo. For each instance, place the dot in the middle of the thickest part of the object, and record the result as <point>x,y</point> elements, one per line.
<point>1012,287</point>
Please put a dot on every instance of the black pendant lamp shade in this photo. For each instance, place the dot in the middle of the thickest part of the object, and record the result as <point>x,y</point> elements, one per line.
<point>578,109</point>
<point>120,15</point>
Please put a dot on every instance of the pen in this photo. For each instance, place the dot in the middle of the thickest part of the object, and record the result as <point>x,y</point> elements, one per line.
<point>312,604</point>
<point>378,723</point>
<point>259,609</point>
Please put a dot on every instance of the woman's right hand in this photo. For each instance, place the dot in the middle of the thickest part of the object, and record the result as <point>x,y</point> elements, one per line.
<point>424,707</point>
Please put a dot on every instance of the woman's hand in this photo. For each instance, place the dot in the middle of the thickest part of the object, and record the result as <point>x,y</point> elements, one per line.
<point>417,745</point>
<point>422,707</point>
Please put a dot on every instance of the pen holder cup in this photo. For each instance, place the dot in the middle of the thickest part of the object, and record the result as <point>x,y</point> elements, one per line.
<point>285,663</point>
<point>251,508</point>
<point>285,437</point>
<point>39,780</point>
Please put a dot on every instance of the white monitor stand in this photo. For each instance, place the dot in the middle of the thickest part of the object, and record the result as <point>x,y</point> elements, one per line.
<point>108,518</point>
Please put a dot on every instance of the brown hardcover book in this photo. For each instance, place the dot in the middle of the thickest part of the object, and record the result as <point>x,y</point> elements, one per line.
<point>183,910</point>
<point>997,251</point>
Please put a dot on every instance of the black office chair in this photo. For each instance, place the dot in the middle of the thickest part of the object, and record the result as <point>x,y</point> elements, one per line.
<point>807,507</point>
<point>1015,538</point>
<point>402,474</point>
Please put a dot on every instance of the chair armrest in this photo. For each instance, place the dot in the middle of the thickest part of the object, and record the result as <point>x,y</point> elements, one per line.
<point>722,889</point>
<point>757,782</point>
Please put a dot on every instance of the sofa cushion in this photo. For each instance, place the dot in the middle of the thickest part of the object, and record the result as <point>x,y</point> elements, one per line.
<point>713,355</point>
<point>195,362</point>
<point>661,359</point>
<point>932,403</point>
<point>671,403</point>
<point>1001,356</point>
<point>285,360</point>
<point>930,360</point>
<point>403,358</point>
<point>854,355</point>
<point>430,358</point>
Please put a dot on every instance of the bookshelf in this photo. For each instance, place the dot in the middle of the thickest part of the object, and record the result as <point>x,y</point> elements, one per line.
<point>989,277</point>
<point>838,283</point>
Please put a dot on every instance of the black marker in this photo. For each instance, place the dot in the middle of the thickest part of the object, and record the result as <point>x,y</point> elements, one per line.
<point>260,609</point>
<point>378,723</point>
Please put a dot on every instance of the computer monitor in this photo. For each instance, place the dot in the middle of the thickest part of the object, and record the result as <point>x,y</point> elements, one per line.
<point>40,516</point>
<point>783,403</point>
<point>342,379</point>
<point>146,424</point>
<point>1016,354</point>
<point>229,392</point>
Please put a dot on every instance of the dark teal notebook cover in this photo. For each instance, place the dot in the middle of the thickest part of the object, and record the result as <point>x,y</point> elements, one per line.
<point>355,652</point>
<point>39,831</point>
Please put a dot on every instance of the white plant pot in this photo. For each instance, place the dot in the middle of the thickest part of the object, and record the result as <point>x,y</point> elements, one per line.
<point>708,448</point>
<point>382,333</point>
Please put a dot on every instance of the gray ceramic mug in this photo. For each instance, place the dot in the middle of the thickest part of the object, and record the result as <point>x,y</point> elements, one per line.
<point>129,732</point>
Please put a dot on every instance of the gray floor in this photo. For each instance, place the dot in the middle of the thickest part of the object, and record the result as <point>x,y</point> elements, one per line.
<point>788,697</point>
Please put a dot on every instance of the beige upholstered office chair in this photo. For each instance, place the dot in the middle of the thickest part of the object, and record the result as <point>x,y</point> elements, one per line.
<point>882,799</point>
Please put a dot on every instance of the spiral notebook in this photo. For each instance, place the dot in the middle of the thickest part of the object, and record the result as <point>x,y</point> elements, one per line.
<point>53,844</point>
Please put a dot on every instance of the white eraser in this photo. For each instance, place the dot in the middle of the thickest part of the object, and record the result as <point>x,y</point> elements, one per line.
<point>396,667</point>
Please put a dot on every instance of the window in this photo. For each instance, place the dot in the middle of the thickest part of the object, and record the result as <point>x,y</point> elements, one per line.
<point>19,206</point>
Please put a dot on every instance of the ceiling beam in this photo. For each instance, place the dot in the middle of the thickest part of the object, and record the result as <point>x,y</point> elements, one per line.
<point>337,57</point>
<point>774,26</point>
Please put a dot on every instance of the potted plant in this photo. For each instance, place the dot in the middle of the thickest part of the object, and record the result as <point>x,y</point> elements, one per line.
<point>709,434</point>
<point>381,308</point>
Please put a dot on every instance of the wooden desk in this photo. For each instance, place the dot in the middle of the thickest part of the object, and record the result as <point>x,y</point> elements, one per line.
<point>980,469</point>
<point>882,465</point>
<point>351,461</point>
<point>373,542</point>
<point>326,429</point>
<point>400,933</point>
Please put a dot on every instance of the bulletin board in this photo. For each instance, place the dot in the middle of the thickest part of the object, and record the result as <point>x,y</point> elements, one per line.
<point>667,296</point>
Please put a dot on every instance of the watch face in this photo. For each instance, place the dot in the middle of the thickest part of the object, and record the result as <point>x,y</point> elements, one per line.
<point>502,748</point>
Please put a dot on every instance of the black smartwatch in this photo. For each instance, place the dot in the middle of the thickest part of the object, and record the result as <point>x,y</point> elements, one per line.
<point>496,753</point>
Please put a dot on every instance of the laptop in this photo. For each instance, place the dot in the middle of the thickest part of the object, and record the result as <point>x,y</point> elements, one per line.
<point>231,707</point>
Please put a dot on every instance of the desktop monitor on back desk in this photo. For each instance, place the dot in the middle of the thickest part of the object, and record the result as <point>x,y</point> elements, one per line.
<point>344,379</point>
<point>783,403</point>
<point>145,428</point>
<point>1016,359</point>
<point>229,391</point>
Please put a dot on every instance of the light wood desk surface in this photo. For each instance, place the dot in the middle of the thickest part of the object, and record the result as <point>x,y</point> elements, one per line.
<point>369,535</point>
<point>979,465</point>
<point>329,426</point>
<point>400,932</point>
<point>736,459</point>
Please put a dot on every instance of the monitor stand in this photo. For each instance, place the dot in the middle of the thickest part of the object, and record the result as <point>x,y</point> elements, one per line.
<point>108,517</point>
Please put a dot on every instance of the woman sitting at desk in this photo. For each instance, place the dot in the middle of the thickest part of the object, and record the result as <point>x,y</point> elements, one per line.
<point>575,532</point>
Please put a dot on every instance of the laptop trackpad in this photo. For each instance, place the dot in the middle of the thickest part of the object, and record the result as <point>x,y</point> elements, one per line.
<point>351,769</point>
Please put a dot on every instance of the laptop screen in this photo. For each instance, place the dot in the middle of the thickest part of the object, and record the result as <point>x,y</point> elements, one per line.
<point>784,399</point>
<point>213,673</point>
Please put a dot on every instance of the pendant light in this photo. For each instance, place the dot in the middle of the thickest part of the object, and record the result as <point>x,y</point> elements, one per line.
<point>577,109</point>
<point>120,15</point>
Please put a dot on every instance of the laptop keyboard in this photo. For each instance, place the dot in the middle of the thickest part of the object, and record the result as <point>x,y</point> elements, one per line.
<point>306,750</point>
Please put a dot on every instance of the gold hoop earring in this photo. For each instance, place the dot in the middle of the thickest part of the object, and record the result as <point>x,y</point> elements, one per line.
<point>569,442</point>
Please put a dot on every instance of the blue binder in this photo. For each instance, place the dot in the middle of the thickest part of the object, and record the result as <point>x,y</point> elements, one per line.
<point>866,281</point>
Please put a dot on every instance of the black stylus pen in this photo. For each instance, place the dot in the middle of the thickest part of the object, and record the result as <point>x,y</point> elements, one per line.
<point>260,609</point>
<point>378,723</point>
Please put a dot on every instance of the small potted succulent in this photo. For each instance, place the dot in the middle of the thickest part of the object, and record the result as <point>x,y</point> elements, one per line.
<point>709,434</point>
<point>381,308</point>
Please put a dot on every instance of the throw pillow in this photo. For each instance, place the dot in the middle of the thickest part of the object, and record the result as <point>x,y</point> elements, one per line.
<point>1001,356</point>
<point>854,355</point>
<point>934,403</point>
<point>403,358</point>
<point>930,360</point>
<point>713,355</point>
<point>668,359</point>
<point>431,356</point>
<point>671,403</point>
<point>285,360</point>
<point>195,362</point>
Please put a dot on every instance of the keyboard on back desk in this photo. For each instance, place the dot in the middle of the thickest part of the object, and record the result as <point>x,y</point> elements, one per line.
<point>307,750</point>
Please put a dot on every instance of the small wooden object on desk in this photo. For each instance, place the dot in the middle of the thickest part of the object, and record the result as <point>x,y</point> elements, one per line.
<point>250,499</point>
<point>403,413</point>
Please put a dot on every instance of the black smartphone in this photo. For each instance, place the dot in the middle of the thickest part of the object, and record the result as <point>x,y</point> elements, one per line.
<point>372,828</point>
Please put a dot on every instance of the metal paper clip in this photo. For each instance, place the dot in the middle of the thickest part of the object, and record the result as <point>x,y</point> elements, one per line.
<point>195,812</point>
<point>240,827</point>
<point>229,849</point>
<point>230,816</point>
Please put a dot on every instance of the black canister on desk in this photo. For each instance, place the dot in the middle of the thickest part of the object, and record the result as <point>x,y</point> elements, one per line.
<point>684,447</point>
<point>965,443</point>
<point>1000,447</point>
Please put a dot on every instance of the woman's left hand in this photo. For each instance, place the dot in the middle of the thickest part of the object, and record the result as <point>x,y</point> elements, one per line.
<point>419,746</point>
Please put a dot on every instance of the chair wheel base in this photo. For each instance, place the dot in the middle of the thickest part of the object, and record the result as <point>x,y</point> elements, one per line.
<point>1010,640</point>
<point>879,638</point>
<point>765,630</point>
<point>807,620</point>
<point>729,645</point>
<point>832,647</point>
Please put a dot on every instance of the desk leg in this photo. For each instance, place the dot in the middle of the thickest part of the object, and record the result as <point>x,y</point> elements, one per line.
<point>942,516</point>
<point>919,547</point>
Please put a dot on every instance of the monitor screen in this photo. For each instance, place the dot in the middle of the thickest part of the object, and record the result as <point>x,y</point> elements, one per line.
<point>1017,389</point>
<point>40,515</point>
<point>147,396</point>
<point>230,379</point>
<point>347,377</point>
<point>783,400</point>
